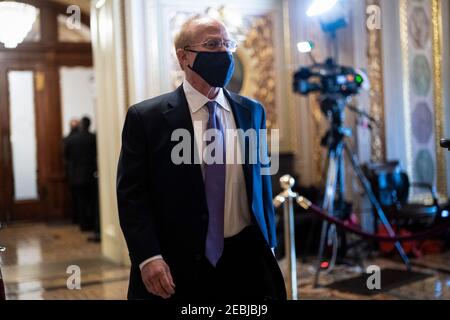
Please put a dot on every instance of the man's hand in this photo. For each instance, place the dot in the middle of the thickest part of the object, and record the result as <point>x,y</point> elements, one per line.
<point>157,278</point>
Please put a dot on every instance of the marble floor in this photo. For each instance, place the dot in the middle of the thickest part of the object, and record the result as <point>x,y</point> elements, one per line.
<point>38,257</point>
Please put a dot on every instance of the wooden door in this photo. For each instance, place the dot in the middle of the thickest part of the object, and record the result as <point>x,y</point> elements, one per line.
<point>22,193</point>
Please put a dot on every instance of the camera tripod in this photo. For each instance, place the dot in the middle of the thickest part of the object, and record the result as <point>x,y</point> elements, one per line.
<point>445,143</point>
<point>334,140</point>
<point>2,286</point>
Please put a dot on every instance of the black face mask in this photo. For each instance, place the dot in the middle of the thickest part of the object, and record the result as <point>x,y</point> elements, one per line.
<point>216,68</point>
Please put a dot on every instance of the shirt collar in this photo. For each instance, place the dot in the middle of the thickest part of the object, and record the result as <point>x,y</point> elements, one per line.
<point>196,100</point>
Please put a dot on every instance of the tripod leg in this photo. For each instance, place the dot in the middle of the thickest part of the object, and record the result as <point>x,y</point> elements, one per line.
<point>325,165</point>
<point>376,204</point>
<point>328,203</point>
<point>323,238</point>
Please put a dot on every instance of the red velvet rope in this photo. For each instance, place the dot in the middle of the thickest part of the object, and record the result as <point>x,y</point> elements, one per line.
<point>340,224</point>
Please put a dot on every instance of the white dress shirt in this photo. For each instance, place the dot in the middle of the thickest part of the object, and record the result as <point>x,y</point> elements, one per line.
<point>236,212</point>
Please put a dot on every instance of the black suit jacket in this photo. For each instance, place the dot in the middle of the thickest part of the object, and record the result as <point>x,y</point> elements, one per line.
<point>80,153</point>
<point>162,206</point>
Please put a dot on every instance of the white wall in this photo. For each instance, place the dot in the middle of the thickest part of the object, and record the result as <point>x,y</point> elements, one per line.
<point>107,27</point>
<point>393,82</point>
<point>78,96</point>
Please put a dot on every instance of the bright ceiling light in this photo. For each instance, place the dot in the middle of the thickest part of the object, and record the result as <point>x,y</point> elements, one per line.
<point>305,47</point>
<point>99,4</point>
<point>319,7</point>
<point>16,21</point>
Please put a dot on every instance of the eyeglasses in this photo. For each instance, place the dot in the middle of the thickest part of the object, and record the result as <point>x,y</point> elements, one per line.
<point>215,45</point>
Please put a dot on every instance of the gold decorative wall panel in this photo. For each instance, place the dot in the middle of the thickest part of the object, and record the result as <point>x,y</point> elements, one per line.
<point>421,41</point>
<point>438,94</point>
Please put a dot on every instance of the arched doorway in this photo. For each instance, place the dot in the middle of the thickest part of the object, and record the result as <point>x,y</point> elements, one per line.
<point>32,112</point>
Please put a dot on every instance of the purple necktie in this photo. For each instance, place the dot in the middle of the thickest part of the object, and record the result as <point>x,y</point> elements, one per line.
<point>215,190</point>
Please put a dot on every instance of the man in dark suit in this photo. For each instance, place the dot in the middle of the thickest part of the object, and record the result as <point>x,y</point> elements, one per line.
<point>80,152</point>
<point>74,128</point>
<point>197,229</point>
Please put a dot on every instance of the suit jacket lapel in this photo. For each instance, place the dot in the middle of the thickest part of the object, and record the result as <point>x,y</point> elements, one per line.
<point>178,116</point>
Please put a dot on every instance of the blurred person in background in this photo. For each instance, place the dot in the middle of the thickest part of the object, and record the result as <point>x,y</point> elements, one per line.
<point>80,152</point>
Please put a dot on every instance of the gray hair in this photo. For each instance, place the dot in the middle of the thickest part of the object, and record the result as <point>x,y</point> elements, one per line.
<point>186,34</point>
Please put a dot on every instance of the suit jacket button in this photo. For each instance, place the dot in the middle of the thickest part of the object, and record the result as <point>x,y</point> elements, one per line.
<point>198,257</point>
<point>205,217</point>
